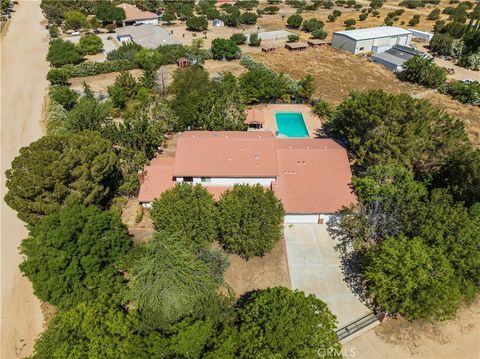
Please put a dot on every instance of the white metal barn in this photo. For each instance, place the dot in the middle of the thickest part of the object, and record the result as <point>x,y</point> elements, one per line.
<point>374,39</point>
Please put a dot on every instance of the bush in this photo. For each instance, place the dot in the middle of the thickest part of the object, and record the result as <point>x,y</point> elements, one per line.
<point>125,52</point>
<point>109,13</point>
<point>250,220</point>
<point>189,211</point>
<point>464,92</point>
<point>64,96</point>
<point>225,49</point>
<point>239,38</point>
<point>254,40</point>
<point>75,20</point>
<point>293,38</point>
<point>415,20</point>
<point>58,76</point>
<point>434,14</point>
<point>323,109</point>
<point>72,256</point>
<point>62,52</point>
<point>294,21</point>
<point>197,23</point>
<point>349,22</point>
<point>248,18</point>
<point>362,17</point>
<point>271,10</point>
<point>56,118</point>
<point>95,68</point>
<point>168,18</point>
<point>312,24</point>
<point>90,44</point>
<point>423,71</point>
<point>110,27</point>
<point>319,34</point>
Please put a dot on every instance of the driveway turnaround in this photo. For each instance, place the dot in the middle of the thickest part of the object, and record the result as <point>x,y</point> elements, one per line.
<point>315,268</point>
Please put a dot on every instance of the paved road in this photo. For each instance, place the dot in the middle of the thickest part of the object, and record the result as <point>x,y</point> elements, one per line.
<point>23,68</point>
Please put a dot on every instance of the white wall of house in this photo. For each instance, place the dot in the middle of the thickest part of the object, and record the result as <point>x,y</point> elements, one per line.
<point>147,22</point>
<point>230,181</point>
<point>300,218</point>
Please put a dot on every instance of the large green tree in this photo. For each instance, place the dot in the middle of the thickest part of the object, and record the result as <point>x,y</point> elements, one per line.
<point>73,256</point>
<point>378,127</point>
<point>406,276</point>
<point>250,220</point>
<point>225,49</point>
<point>280,323</point>
<point>62,52</point>
<point>423,71</point>
<point>60,170</point>
<point>90,44</point>
<point>168,281</point>
<point>188,210</point>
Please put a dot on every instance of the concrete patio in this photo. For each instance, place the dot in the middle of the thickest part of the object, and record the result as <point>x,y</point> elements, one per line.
<point>315,268</point>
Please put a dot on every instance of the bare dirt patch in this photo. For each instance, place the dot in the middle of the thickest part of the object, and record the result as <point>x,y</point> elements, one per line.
<point>138,221</point>
<point>336,72</point>
<point>259,272</point>
<point>100,83</point>
<point>458,338</point>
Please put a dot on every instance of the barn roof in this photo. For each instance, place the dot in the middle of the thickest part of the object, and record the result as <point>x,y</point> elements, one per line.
<point>373,32</point>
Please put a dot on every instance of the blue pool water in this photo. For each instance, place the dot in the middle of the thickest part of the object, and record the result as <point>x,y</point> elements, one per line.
<point>291,124</point>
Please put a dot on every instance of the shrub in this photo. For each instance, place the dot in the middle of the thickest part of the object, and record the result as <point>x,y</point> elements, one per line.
<point>434,14</point>
<point>58,76</point>
<point>423,71</point>
<point>64,96</point>
<point>225,49</point>
<point>294,21</point>
<point>248,18</point>
<point>62,52</point>
<point>349,22</point>
<point>319,34</point>
<point>197,23</point>
<point>312,24</point>
<point>415,20</point>
<point>293,38</point>
<point>322,109</point>
<point>250,220</point>
<point>126,51</point>
<point>56,118</point>
<point>239,38</point>
<point>254,39</point>
<point>168,17</point>
<point>108,13</point>
<point>110,27</point>
<point>464,92</point>
<point>271,10</point>
<point>189,211</point>
<point>95,68</point>
<point>362,17</point>
<point>72,256</point>
<point>90,44</point>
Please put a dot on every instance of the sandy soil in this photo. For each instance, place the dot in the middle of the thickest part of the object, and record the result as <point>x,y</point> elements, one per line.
<point>100,83</point>
<point>399,339</point>
<point>258,272</point>
<point>23,48</point>
<point>140,226</point>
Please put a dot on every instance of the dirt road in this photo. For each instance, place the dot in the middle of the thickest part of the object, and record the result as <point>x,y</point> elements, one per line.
<point>23,48</point>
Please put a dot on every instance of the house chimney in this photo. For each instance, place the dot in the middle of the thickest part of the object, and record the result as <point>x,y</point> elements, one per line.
<point>141,176</point>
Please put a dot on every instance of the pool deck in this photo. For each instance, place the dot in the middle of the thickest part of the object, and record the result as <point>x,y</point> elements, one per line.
<point>312,122</point>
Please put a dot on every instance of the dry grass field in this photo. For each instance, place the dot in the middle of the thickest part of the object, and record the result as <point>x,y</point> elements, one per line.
<point>337,73</point>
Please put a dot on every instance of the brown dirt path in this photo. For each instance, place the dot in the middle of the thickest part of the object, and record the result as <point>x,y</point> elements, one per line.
<point>23,68</point>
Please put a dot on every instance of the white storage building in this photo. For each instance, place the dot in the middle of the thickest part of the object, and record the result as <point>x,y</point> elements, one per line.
<point>374,39</point>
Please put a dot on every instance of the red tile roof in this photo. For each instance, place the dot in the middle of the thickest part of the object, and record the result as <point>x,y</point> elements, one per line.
<point>254,116</point>
<point>133,13</point>
<point>312,175</point>
<point>225,154</point>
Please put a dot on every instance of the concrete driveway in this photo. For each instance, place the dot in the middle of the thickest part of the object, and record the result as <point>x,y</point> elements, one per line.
<point>315,268</point>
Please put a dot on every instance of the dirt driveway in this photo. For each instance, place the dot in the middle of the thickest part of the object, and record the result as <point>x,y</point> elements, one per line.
<point>315,268</point>
<point>23,49</point>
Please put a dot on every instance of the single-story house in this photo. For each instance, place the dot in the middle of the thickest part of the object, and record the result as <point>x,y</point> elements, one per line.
<point>135,16</point>
<point>394,58</point>
<point>310,176</point>
<point>148,36</point>
<point>374,39</point>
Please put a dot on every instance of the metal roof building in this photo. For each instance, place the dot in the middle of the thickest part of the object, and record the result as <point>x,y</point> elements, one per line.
<point>374,39</point>
<point>394,58</point>
<point>148,36</point>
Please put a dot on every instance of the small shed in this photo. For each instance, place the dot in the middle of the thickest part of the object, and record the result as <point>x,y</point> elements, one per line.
<point>296,46</point>
<point>268,49</point>
<point>183,62</point>
<point>218,23</point>
<point>316,42</point>
<point>255,119</point>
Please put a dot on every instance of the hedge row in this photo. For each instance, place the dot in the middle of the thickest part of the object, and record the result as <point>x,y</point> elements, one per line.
<point>95,68</point>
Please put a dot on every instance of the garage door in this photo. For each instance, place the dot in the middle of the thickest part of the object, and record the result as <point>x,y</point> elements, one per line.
<point>301,218</point>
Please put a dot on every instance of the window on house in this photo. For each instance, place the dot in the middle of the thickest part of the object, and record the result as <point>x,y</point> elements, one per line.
<point>206,179</point>
<point>187,179</point>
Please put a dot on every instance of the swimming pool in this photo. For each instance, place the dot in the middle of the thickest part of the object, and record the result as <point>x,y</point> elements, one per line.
<point>291,124</point>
